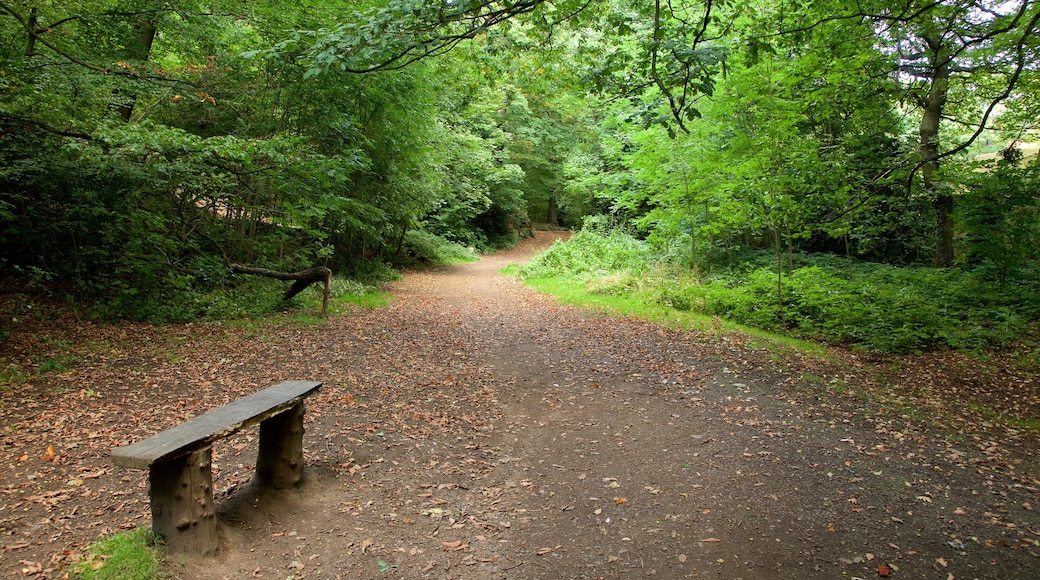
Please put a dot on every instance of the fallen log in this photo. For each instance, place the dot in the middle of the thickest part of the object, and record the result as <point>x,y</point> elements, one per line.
<point>301,280</point>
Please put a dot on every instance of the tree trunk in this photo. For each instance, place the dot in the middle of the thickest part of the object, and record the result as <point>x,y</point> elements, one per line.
<point>711,235</point>
<point>30,47</point>
<point>551,216</point>
<point>400,242</point>
<point>928,131</point>
<point>779,272</point>
<point>138,49</point>
<point>302,280</point>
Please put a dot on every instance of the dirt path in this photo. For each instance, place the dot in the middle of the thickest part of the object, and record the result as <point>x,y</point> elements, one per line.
<point>475,429</point>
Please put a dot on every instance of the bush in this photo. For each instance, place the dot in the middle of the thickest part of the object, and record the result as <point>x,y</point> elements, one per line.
<point>870,306</point>
<point>591,253</point>
<point>422,247</point>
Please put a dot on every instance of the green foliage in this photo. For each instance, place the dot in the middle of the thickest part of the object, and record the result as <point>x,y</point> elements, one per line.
<point>11,376</point>
<point>576,292</point>
<point>422,248</point>
<point>829,299</point>
<point>999,218</point>
<point>135,166</point>
<point>870,306</point>
<point>591,252</point>
<point>249,297</point>
<point>123,556</point>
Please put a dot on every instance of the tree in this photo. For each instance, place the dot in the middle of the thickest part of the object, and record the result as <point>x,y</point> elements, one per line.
<point>972,51</point>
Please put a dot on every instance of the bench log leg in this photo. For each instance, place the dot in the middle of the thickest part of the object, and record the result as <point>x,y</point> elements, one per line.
<point>279,463</point>
<point>181,492</point>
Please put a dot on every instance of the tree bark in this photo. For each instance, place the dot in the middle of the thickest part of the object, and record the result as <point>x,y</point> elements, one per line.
<point>139,48</point>
<point>552,215</point>
<point>302,280</point>
<point>30,47</point>
<point>928,131</point>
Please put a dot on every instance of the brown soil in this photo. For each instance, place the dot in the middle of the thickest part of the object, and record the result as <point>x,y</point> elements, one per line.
<point>476,429</point>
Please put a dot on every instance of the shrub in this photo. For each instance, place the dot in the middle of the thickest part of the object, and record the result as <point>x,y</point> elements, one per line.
<point>591,253</point>
<point>422,247</point>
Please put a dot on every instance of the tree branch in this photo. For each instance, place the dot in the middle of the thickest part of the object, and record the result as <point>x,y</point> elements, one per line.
<point>37,36</point>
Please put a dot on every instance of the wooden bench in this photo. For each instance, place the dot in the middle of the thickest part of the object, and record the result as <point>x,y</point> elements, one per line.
<point>180,483</point>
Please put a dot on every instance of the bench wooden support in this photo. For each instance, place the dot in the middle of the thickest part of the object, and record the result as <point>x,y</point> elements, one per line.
<point>279,462</point>
<point>181,492</point>
<point>180,481</point>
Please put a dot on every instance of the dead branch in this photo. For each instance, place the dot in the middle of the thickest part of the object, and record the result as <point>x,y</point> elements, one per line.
<point>301,280</point>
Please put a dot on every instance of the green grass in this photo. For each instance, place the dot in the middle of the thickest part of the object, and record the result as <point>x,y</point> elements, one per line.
<point>574,292</point>
<point>57,364</point>
<point>262,298</point>
<point>12,375</point>
<point>369,299</point>
<point>1028,423</point>
<point>123,556</point>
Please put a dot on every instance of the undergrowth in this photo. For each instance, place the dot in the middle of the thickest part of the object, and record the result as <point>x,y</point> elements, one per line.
<point>821,297</point>
<point>244,296</point>
<point>424,248</point>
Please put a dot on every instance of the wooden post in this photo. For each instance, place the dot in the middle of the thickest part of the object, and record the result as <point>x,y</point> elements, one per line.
<point>181,491</point>
<point>279,462</point>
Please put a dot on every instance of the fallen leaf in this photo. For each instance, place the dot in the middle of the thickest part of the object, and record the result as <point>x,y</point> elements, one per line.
<point>454,546</point>
<point>883,570</point>
<point>49,455</point>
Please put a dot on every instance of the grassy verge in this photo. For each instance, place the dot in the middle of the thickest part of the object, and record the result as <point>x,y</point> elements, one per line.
<point>574,292</point>
<point>123,556</point>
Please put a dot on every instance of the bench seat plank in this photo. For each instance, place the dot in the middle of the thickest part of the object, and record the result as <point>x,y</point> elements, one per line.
<point>216,424</point>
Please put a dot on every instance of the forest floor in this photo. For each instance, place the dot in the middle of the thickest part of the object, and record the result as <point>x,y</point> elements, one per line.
<point>476,429</point>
